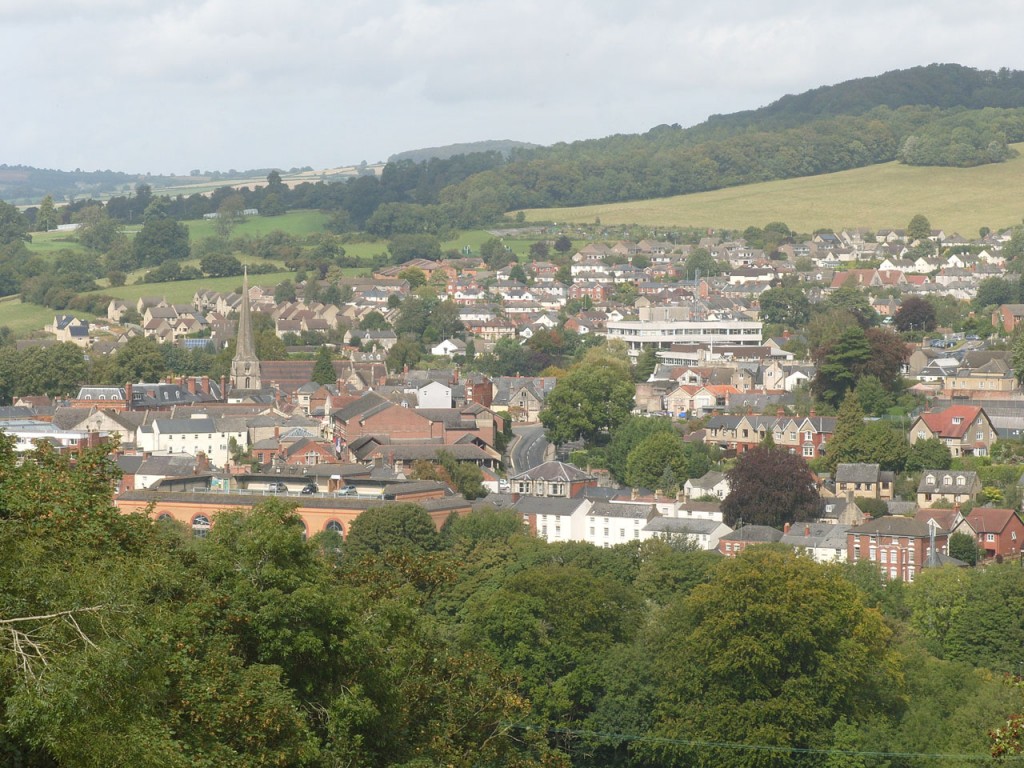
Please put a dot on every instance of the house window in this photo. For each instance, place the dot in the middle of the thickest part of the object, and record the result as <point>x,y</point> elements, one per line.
<point>990,537</point>
<point>606,533</point>
<point>961,480</point>
<point>957,419</point>
<point>200,526</point>
<point>930,480</point>
<point>335,527</point>
<point>591,530</point>
<point>885,556</point>
<point>981,435</point>
<point>622,533</point>
<point>920,434</point>
<point>947,480</point>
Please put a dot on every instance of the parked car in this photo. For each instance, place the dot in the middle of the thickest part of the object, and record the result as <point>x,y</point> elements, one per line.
<point>278,488</point>
<point>347,490</point>
<point>503,484</point>
<point>309,489</point>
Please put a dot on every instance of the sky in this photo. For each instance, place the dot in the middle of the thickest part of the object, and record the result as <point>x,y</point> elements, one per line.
<point>167,86</point>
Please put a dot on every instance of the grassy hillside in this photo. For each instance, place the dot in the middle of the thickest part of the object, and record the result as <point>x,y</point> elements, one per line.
<point>886,195</point>
<point>22,319</point>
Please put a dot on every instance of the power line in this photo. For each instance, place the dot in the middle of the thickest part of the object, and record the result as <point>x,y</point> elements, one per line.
<point>702,744</point>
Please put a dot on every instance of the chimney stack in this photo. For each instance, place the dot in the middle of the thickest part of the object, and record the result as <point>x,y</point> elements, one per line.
<point>785,529</point>
<point>807,531</point>
<point>206,385</point>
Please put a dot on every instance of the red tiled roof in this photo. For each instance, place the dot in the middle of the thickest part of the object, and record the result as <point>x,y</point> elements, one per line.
<point>989,519</point>
<point>942,423</point>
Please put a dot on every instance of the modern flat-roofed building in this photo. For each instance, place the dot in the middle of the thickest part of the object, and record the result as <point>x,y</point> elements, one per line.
<point>661,327</point>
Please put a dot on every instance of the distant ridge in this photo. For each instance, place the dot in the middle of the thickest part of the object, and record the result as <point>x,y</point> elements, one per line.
<point>504,146</point>
<point>944,86</point>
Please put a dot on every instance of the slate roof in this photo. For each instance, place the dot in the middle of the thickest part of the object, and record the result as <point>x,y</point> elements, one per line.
<point>857,473</point>
<point>616,509</point>
<point>941,486</point>
<point>554,470</point>
<point>185,426</point>
<point>816,536</point>
<point>682,525</point>
<point>888,525</point>
<point>536,505</point>
<point>754,533</point>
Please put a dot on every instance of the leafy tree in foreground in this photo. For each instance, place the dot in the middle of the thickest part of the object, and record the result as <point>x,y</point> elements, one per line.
<point>770,486</point>
<point>778,650</point>
<point>392,526</point>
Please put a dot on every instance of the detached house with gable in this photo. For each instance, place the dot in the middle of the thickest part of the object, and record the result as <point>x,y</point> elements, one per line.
<point>965,429</point>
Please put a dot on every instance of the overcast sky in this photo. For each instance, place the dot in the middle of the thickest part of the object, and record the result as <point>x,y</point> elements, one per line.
<point>167,86</point>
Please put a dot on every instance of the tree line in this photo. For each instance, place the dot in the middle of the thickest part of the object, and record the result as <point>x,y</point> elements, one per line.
<point>127,641</point>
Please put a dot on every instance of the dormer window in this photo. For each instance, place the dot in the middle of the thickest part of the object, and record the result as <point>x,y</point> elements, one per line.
<point>947,480</point>
<point>957,419</point>
<point>930,479</point>
<point>961,480</point>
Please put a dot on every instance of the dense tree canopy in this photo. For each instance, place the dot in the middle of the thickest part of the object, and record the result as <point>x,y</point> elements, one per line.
<point>772,663</point>
<point>591,400</point>
<point>770,486</point>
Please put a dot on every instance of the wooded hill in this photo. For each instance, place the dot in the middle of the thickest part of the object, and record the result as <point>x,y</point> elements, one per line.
<point>943,114</point>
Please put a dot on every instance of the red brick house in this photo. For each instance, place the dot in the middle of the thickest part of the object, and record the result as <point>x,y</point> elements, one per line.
<point>1000,531</point>
<point>899,545</point>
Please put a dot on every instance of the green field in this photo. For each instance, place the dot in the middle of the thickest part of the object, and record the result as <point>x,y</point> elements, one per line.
<point>49,243</point>
<point>22,319</point>
<point>182,291</point>
<point>297,223</point>
<point>887,195</point>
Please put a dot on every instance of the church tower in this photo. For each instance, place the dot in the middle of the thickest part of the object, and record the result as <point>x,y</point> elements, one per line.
<point>245,367</point>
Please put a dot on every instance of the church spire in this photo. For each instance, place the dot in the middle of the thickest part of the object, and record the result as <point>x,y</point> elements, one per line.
<point>245,367</point>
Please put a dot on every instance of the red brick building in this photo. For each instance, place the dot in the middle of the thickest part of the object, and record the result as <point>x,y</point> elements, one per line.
<point>1000,531</point>
<point>901,546</point>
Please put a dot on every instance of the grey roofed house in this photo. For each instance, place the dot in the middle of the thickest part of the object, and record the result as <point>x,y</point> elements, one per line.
<point>185,426</point>
<point>894,526</point>
<point>897,507</point>
<point>538,505</point>
<point>816,536</point>
<point>553,470</point>
<point>857,473</point>
<point>683,526</point>
<point>759,534</point>
<point>176,465</point>
<point>954,485</point>
<point>616,509</point>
